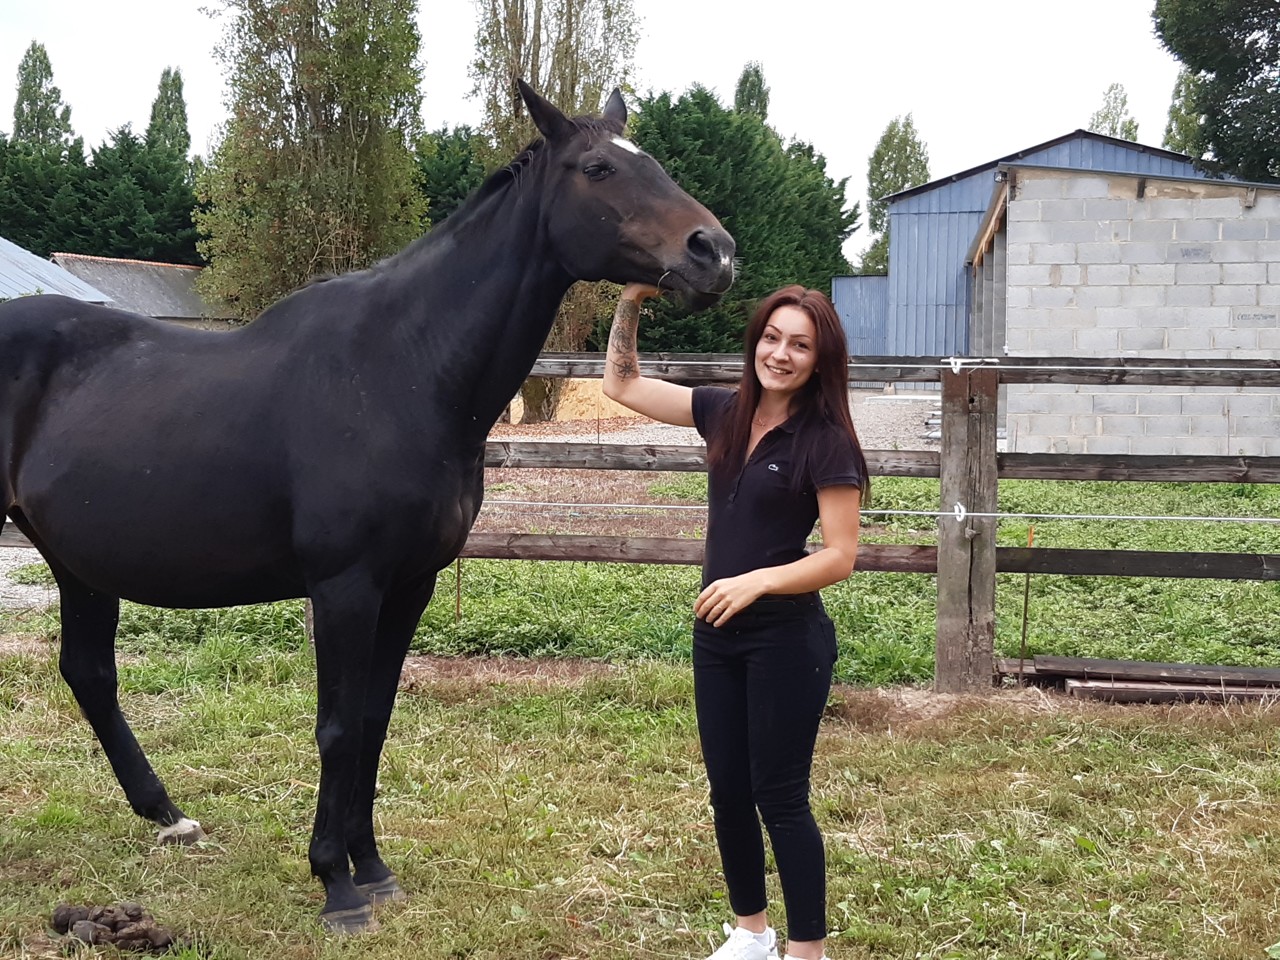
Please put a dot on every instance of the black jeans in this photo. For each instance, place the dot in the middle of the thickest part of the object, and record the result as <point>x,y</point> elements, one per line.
<point>760,684</point>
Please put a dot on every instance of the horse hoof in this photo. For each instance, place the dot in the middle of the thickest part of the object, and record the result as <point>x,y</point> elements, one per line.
<point>350,921</point>
<point>186,832</point>
<point>383,891</point>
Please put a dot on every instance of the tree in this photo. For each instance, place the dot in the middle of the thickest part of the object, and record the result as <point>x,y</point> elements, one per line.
<point>42,196</point>
<point>899,162</point>
<point>315,173</point>
<point>451,167</point>
<point>1112,118</point>
<point>752,95</point>
<point>786,214</point>
<point>40,117</point>
<point>573,52</point>
<point>1182,133</point>
<point>168,126</point>
<point>138,202</point>
<point>1232,49</point>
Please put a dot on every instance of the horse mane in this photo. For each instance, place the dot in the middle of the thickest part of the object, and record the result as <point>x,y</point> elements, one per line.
<point>504,177</point>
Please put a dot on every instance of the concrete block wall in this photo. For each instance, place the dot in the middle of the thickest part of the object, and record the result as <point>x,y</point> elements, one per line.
<point>1112,265</point>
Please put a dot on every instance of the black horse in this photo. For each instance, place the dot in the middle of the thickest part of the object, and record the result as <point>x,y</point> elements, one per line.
<point>333,448</point>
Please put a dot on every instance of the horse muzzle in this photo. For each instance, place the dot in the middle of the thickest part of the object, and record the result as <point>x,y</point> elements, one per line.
<point>706,270</point>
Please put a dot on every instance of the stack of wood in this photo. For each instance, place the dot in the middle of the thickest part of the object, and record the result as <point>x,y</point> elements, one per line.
<point>1137,681</point>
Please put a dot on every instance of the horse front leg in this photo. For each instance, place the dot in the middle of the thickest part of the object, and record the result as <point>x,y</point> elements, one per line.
<point>87,663</point>
<point>346,620</point>
<point>401,612</point>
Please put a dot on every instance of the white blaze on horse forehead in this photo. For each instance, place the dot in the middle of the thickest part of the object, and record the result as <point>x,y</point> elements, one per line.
<point>627,145</point>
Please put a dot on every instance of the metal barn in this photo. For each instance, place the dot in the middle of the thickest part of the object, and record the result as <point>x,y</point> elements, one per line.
<point>922,308</point>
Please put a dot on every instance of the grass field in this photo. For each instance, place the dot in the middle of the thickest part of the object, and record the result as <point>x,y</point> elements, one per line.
<point>558,819</point>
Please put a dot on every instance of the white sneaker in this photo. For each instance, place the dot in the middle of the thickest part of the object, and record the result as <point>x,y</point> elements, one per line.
<point>743,945</point>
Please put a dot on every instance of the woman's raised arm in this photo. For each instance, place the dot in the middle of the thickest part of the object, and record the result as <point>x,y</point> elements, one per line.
<point>623,381</point>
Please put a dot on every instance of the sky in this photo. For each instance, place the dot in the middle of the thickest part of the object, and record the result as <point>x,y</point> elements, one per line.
<point>981,81</point>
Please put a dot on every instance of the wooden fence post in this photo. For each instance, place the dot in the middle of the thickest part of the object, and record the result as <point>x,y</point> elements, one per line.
<point>967,547</point>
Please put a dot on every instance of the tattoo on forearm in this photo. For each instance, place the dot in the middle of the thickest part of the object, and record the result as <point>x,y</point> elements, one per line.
<point>622,340</point>
<point>625,368</point>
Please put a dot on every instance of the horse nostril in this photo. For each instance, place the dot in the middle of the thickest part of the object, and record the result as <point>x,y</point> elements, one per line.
<point>702,247</point>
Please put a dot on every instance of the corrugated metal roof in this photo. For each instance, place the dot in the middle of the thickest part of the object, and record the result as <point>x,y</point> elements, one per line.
<point>22,273</point>
<point>1067,140</point>
<point>1228,182</point>
<point>163,290</point>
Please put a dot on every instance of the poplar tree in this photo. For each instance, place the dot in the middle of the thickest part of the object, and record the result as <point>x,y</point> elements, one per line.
<point>315,172</point>
<point>1112,119</point>
<point>899,162</point>
<point>1183,131</point>
<point>168,126</point>
<point>751,94</point>
<point>40,118</point>
<point>573,52</point>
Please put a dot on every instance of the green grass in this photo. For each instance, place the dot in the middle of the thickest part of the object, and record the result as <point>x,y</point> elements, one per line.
<point>537,821</point>
<point>885,622</point>
<point>559,821</point>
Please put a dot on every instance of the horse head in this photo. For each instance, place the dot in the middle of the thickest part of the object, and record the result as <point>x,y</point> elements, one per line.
<point>615,214</point>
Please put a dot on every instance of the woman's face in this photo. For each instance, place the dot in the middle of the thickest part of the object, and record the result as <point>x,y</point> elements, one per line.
<point>787,351</point>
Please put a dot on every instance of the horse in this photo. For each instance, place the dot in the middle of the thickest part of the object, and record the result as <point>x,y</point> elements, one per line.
<point>333,448</point>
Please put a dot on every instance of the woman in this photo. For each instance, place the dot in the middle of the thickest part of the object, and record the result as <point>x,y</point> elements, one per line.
<point>782,453</point>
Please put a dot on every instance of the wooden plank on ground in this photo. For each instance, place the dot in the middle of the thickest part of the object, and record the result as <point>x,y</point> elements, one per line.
<point>1090,668</point>
<point>1012,667</point>
<point>1126,691</point>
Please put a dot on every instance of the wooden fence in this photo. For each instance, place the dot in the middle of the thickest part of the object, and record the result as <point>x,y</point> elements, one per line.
<point>966,559</point>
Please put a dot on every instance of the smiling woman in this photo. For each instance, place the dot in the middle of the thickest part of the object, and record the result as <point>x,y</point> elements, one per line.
<point>781,452</point>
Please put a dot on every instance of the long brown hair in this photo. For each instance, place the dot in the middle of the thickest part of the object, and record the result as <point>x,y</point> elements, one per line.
<point>824,398</point>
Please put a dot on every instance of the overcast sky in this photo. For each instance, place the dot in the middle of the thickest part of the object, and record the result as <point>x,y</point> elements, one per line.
<point>982,80</point>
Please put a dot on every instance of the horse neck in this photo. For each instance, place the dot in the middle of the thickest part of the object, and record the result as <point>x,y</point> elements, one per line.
<point>488,288</point>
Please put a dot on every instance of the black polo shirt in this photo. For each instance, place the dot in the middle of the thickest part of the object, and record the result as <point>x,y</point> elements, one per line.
<point>754,518</point>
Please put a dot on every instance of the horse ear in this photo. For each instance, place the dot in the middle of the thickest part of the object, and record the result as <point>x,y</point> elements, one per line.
<point>615,110</point>
<point>551,123</point>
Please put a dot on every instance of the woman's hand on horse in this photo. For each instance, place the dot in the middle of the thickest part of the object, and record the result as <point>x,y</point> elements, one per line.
<point>723,599</point>
<point>639,292</point>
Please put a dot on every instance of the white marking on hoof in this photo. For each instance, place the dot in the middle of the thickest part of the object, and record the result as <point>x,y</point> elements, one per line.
<point>186,832</point>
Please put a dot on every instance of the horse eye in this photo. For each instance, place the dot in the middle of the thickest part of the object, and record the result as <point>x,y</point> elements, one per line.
<point>597,171</point>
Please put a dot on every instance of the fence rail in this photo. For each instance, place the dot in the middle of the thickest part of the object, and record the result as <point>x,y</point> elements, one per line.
<point>966,559</point>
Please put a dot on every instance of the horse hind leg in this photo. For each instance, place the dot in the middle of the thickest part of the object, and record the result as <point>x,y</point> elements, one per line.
<point>87,663</point>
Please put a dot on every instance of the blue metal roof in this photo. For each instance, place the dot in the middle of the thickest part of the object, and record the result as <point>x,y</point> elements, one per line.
<point>1069,147</point>
<point>23,273</point>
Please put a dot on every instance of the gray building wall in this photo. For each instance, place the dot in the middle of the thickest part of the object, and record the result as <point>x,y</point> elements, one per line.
<point>1108,265</point>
